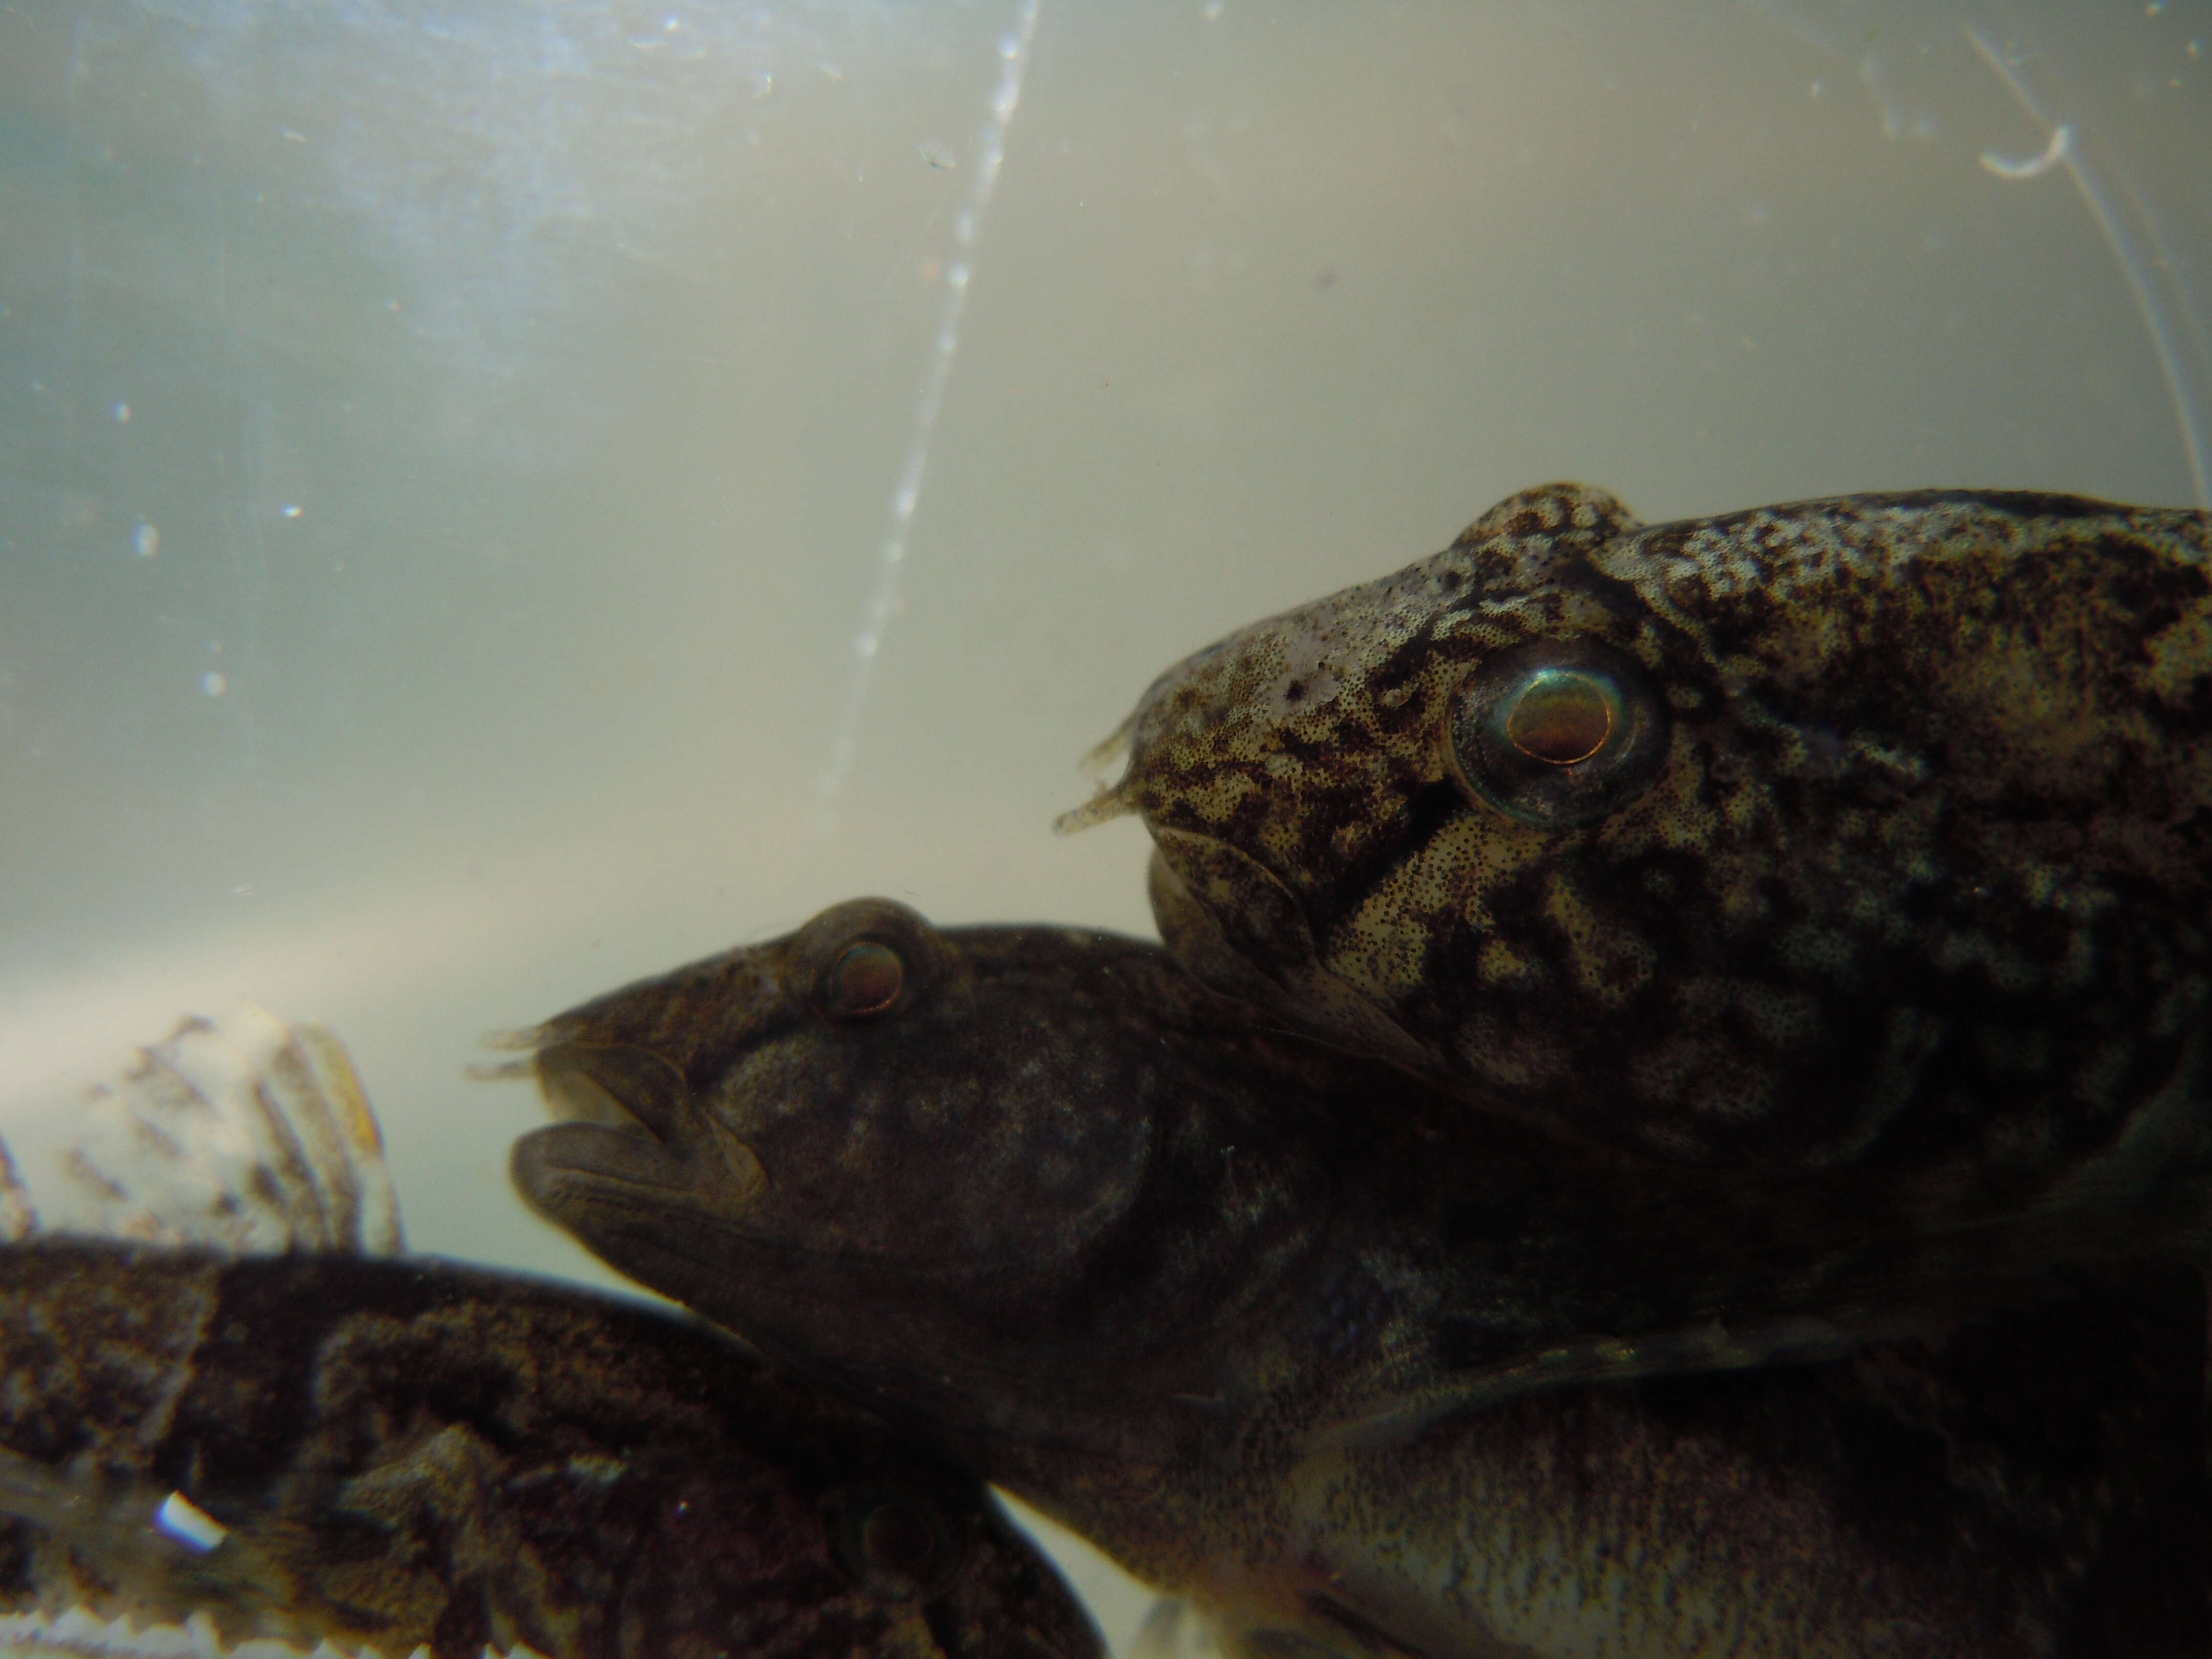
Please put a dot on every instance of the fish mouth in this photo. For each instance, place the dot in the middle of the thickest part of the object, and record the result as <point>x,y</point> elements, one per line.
<point>630,1142</point>
<point>615,1086</point>
<point>641,1174</point>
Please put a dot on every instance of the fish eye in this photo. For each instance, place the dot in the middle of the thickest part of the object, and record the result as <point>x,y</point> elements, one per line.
<point>896,1543</point>
<point>1556,732</point>
<point>1561,716</point>
<point>897,1539</point>
<point>866,979</point>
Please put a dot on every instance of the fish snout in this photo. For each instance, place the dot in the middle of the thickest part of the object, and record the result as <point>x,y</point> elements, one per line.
<point>631,1135</point>
<point>598,1177</point>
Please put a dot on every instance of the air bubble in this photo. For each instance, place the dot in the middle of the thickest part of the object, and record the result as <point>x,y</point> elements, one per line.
<point>145,541</point>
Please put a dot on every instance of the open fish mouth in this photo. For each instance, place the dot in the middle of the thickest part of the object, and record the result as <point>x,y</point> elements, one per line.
<point>626,1136</point>
<point>616,1087</point>
<point>580,1081</point>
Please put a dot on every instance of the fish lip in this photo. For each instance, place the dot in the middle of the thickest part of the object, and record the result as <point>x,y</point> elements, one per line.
<point>593,1162</point>
<point>628,1133</point>
<point>644,1207</point>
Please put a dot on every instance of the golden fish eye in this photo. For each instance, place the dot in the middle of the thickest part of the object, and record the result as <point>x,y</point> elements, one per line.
<point>1556,733</point>
<point>866,979</point>
<point>1560,716</point>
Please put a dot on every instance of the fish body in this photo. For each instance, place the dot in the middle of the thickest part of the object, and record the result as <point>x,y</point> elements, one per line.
<point>1873,829</point>
<point>1127,1248</point>
<point>239,1415</point>
<point>399,1453</point>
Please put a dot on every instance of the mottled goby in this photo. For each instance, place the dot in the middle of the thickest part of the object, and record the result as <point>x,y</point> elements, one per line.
<point>1873,828</point>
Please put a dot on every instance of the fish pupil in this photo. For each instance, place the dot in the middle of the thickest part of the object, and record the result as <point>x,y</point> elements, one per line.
<point>1556,733</point>
<point>868,979</point>
<point>898,1540</point>
<point>1561,716</point>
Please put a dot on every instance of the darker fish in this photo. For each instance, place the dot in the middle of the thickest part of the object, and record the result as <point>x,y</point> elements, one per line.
<point>1124,1247</point>
<point>1873,829</point>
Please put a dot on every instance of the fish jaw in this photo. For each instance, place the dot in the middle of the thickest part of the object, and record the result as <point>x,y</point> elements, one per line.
<point>573,1172</point>
<point>1234,925</point>
<point>634,1142</point>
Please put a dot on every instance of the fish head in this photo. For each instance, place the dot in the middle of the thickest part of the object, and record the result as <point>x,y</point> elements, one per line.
<point>865,1096</point>
<point>885,1151</point>
<point>1336,794</point>
<point>1755,839</point>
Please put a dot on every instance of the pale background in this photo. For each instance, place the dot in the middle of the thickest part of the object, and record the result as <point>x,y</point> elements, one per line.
<point>446,455</point>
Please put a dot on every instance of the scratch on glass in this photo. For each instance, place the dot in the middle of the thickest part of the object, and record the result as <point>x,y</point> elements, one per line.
<point>2149,275</point>
<point>890,563</point>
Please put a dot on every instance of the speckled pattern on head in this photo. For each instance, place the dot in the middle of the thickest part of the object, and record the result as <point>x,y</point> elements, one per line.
<point>1867,829</point>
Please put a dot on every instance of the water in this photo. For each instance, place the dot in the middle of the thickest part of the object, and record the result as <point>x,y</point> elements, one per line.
<point>494,503</point>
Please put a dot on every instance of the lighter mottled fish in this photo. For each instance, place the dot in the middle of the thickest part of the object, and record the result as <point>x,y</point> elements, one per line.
<point>1877,828</point>
<point>398,1453</point>
<point>201,1447</point>
<point>1172,1276</point>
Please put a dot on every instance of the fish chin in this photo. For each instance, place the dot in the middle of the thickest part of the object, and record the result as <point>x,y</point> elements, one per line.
<point>642,1209</point>
<point>594,1180</point>
<point>1234,926</point>
<point>571,1169</point>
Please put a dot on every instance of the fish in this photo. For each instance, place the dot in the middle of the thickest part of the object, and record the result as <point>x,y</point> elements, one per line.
<point>235,1413</point>
<point>395,1453</point>
<point>1349,1381</point>
<point>1875,830</point>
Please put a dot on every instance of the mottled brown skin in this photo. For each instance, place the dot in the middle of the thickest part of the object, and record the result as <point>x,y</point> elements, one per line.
<point>410,1452</point>
<point>1909,866</point>
<point>1124,1247</point>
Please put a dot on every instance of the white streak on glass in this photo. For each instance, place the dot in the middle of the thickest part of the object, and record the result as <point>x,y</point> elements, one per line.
<point>890,561</point>
<point>2032,167</point>
<point>2145,272</point>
